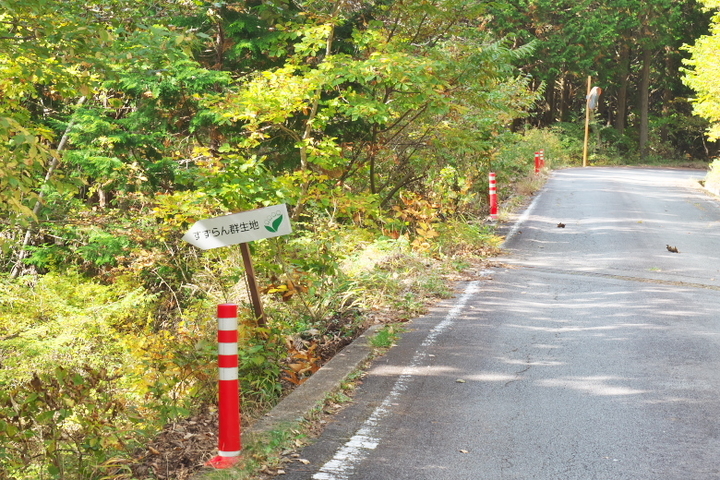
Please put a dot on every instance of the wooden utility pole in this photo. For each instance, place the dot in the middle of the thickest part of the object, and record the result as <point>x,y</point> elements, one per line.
<point>587,122</point>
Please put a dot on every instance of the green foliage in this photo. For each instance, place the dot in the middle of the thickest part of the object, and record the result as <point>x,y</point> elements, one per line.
<point>630,48</point>
<point>24,152</point>
<point>260,370</point>
<point>327,104</point>
<point>172,372</point>
<point>50,59</point>
<point>515,159</point>
<point>94,249</point>
<point>61,424</point>
<point>386,336</point>
<point>451,190</point>
<point>702,76</point>
<point>240,183</point>
<point>65,319</point>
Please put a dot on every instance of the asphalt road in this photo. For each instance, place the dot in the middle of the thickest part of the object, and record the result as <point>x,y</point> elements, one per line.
<point>593,354</point>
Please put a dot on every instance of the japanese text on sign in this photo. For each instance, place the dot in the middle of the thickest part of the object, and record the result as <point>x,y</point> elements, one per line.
<point>231,229</point>
<point>240,227</point>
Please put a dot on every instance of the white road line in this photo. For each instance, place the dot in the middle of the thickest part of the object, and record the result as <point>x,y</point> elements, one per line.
<point>366,438</point>
<point>521,220</point>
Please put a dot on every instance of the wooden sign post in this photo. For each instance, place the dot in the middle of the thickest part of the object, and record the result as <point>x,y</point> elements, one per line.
<point>591,103</point>
<point>241,228</point>
<point>587,122</point>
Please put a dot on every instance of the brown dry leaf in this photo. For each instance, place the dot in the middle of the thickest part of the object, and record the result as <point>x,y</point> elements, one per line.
<point>297,367</point>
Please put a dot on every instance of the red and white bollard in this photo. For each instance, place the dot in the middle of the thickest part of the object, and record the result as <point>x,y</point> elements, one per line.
<point>229,444</point>
<point>493,198</point>
<point>539,161</point>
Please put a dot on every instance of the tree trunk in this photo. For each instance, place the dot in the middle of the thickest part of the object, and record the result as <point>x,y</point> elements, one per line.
<point>551,101</point>
<point>645,101</point>
<point>667,97</point>
<point>621,114</point>
<point>565,98</point>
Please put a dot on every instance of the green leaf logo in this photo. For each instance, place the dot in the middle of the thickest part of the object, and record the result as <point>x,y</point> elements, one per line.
<point>273,222</point>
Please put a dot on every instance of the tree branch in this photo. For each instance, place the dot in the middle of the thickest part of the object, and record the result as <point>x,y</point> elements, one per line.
<point>48,175</point>
<point>29,37</point>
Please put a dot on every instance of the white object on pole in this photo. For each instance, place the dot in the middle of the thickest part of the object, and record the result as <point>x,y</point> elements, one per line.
<point>240,227</point>
<point>594,97</point>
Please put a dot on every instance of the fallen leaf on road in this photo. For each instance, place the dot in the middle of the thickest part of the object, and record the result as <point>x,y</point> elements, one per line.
<point>460,380</point>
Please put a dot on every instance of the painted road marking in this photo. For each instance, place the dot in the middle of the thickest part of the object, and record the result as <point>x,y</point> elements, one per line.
<point>342,465</point>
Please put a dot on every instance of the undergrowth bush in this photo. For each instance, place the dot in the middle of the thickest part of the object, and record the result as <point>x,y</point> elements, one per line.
<point>466,238</point>
<point>514,161</point>
<point>62,424</point>
<point>85,377</point>
<point>712,179</point>
<point>64,319</point>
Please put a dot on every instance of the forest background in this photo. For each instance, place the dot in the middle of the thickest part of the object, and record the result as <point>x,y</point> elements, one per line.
<point>377,123</point>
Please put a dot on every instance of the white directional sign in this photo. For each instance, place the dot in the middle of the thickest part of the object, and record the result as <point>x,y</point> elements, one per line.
<point>240,227</point>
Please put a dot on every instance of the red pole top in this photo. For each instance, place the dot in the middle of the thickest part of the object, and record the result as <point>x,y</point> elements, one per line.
<point>227,310</point>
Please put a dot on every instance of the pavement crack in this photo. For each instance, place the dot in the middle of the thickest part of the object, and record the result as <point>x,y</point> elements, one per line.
<point>630,278</point>
<point>518,374</point>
